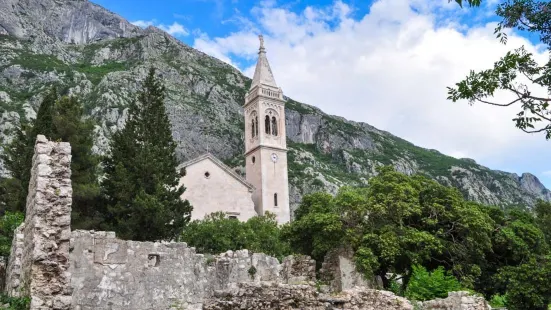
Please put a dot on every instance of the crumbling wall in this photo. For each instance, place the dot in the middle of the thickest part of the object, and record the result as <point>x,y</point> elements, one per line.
<point>254,296</point>
<point>46,234</point>
<point>109,273</point>
<point>456,301</point>
<point>339,271</point>
<point>12,280</point>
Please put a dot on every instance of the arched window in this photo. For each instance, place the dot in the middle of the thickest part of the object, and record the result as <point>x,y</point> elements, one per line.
<point>275,200</point>
<point>253,131</point>
<point>274,126</point>
<point>267,124</point>
<point>256,124</point>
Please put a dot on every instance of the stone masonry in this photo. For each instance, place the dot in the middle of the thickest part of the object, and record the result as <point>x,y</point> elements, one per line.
<point>456,301</point>
<point>47,231</point>
<point>13,269</point>
<point>109,273</point>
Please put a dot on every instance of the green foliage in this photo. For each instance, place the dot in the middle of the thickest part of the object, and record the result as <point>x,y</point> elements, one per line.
<point>96,73</point>
<point>17,159</point>
<point>217,233</point>
<point>69,126</point>
<point>498,301</point>
<point>43,124</point>
<point>543,219</point>
<point>425,285</point>
<point>533,117</point>
<point>8,223</point>
<point>59,119</point>
<point>252,272</point>
<point>15,303</point>
<point>397,222</point>
<point>528,284</point>
<point>141,183</point>
<point>316,228</point>
<point>40,62</point>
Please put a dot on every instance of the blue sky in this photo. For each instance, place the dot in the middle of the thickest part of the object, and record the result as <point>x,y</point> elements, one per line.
<point>384,62</point>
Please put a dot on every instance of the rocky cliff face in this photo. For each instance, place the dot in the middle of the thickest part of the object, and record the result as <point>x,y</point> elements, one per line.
<point>88,51</point>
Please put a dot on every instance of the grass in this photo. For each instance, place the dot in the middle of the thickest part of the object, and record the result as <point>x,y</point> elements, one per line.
<point>96,73</point>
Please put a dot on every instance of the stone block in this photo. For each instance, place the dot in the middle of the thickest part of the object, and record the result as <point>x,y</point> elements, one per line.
<point>107,251</point>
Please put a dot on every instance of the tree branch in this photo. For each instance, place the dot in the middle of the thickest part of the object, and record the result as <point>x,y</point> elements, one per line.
<point>499,104</point>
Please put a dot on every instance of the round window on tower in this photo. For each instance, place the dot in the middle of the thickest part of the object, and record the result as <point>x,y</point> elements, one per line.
<point>253,160</point>
<point>207,175</point>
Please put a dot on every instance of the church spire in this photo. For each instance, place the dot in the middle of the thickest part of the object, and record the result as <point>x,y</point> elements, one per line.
<point>263,74</point>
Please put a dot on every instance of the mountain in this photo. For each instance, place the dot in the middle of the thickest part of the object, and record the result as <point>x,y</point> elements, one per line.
<point>88,51</point>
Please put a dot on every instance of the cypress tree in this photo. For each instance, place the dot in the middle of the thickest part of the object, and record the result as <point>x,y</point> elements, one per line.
<point>17,158</point>
<point>18,155</point>
<point>43,124</point>
<point>69,126</point>
<point>60,120</point>
<point>141,183</point>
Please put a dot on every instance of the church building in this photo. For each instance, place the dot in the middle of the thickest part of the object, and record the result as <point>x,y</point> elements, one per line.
<point>211,186</point>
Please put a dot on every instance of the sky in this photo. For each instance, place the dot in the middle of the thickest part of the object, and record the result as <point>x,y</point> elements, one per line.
<point>385,62</point>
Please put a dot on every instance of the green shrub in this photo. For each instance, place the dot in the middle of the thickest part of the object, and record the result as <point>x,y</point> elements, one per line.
<point>425,285</point>
<point>8,223</point>
<point>15,303</point>
<point>217,233</point>
<point>498,301</point>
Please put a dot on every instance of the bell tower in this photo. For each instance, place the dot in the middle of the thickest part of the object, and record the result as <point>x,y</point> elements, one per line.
<point>265,141</point>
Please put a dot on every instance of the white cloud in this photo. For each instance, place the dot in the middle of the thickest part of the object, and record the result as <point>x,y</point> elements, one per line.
<point>390,69</point>
<point>176,29</point>
<point>144,23</point>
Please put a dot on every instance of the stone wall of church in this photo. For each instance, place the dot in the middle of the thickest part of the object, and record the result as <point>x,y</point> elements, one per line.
<point>209,188</point>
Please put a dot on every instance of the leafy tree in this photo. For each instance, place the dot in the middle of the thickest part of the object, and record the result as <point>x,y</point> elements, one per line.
<point>317,227</point>
<point>217,233</point>
<point>425,285</point>
<point>528,284</point>
<point>543,219</point>
<point>517,73</point>
<point>517,243</point>
<point>141,182</point>
<point>396,222</point>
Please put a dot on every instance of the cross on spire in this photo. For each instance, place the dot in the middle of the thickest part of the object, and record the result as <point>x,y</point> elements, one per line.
<point>263,73</point>
<point>261,39</point>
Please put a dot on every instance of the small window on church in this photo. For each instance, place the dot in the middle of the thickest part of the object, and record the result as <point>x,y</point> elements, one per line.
<point>207,174</point>
<point>232,217</point>
<point>253,131</point>
<point>275,200</point>
<point>254,159</point>
<point>256,124</point>
<point>267,124</point>
<point>274,126</point>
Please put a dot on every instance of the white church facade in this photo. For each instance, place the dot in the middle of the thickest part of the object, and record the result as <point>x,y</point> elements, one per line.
<point>211,186</point>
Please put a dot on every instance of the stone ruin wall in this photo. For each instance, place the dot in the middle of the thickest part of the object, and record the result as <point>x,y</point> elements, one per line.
<point>108,273</point>
<point>85,270</point>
